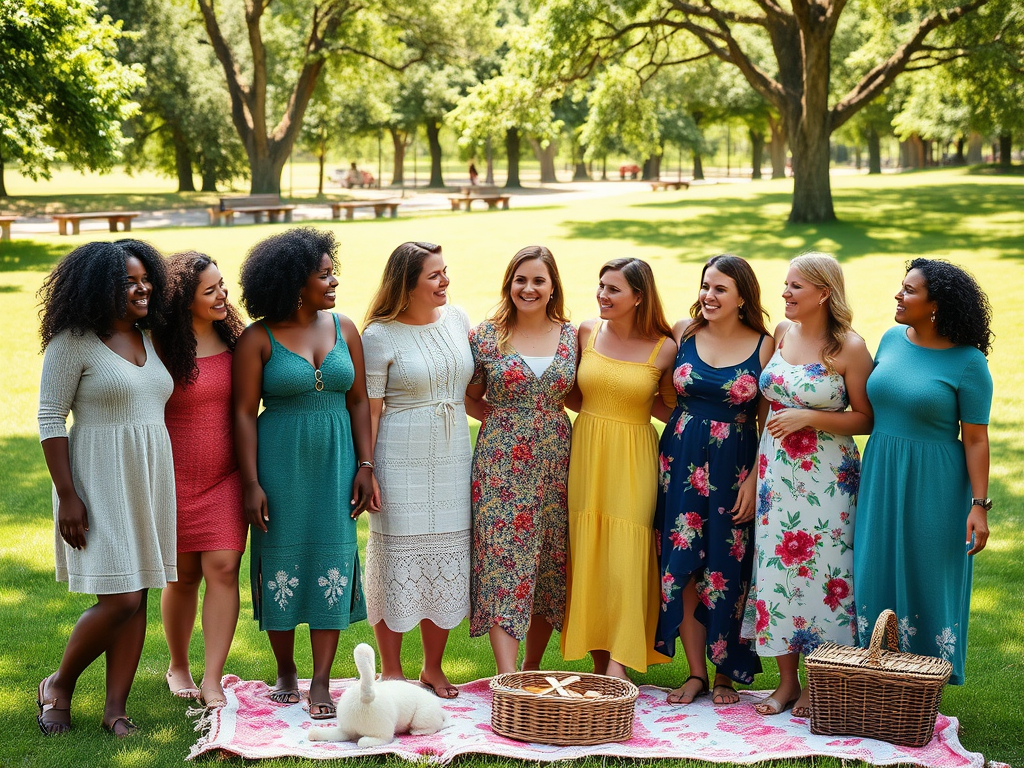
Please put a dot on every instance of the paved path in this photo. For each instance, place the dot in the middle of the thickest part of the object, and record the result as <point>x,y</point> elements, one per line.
<point>412,202</point>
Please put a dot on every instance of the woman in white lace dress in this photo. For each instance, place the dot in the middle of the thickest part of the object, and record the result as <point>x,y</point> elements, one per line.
<point>418,365</point>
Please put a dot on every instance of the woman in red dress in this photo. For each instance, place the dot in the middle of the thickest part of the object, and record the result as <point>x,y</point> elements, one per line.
<point>196,343</point>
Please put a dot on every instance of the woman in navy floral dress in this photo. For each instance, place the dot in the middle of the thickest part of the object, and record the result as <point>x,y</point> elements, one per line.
<point>525,359</point>
<point>706,494</point>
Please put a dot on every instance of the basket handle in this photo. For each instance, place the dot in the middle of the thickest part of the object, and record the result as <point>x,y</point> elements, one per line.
<point>886,622</point>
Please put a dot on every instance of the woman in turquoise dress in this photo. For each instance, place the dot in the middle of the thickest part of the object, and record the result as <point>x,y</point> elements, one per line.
<point>704,519</point>
<point>923,509</point>
<point>302,487</point>
<point>525,366</point>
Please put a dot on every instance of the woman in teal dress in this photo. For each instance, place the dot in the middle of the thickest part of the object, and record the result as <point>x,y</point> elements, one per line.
<point>923,510</point>
<point>302,488</point>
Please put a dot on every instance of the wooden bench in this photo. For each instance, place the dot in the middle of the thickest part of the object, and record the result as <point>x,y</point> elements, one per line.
<point>124,218</point>
<point>494,202</point>
<point>656,185</point>
<point>380,207</point>
<point>5,226</point>
<point>256,205</point>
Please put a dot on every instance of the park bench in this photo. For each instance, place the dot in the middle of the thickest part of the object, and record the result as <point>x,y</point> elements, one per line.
<point>494,202</point>
<point>5,226</point>
<point>480,189</point>
<point>656,185</point>
<point>255,205</point>
<point>124,218</point>
<point>380,207</point>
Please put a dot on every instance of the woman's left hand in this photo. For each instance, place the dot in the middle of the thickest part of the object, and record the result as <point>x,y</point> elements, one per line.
<point>362,491</point>
<point>977,528</point>
<point>788,421</point>
<point>743,509</point>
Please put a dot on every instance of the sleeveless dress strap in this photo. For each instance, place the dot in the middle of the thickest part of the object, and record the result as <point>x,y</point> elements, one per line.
<point>337,327</point>
<point>779,346</point>
<point>757,349</point>
<point>267,329</point>
<point>593,334</point>
<point>656,350</point>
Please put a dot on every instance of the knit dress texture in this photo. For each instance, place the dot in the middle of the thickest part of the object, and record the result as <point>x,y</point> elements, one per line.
<point>121,463</point>
<point>417,555</point>
<point>519,487</point>
<point>613,597</point>
<point>909,552</point>
<point>305,568</point>
<point>209,488</point>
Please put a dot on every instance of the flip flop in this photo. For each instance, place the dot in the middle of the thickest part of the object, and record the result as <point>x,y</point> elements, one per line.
<point>326,710</point>
<point>772,706</point>
<point>285,696</point>
<point>130,728</point>
<point>715,695</point>
<point>446,688</point>
<point>50,727</point>
<point>703,690</point>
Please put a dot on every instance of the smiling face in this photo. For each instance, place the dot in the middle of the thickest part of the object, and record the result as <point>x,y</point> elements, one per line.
<point>431,289</point>
<point>531,287</point>
<point>615,298</point>
<point>719,297</point>
<point>318,292</point>
<point>912,303</point>
<point>802,296</point>
<point>139,289</point>
<point>209,303</point>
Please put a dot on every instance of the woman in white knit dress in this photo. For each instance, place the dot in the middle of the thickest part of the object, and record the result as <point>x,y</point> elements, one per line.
<point>113,475</point>
<point>418,365</point>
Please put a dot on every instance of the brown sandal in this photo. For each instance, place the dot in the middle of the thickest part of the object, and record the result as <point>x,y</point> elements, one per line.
<point>51,727</point>
<point>128,728</point>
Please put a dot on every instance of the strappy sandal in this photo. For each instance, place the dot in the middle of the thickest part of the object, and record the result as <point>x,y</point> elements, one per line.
<point>325,710</point>
<point>51,727</point>
<point>702,692</point>
<point>285,696</point>
<point>125,722</point>
<point>720,691</point>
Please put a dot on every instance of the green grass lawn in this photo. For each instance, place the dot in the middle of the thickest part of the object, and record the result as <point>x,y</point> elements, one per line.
<point>975,220</point>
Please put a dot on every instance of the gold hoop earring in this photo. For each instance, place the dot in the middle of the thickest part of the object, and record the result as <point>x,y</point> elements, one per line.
<point>299,306</point>
<point>933,315</point>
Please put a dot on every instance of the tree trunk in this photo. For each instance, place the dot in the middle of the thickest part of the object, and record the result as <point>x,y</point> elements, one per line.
<point>209,177</point>
<point>809,125</point>
<point>400,140</point>
<point>183,162</point>
<point>959,158</point>
<point>974,147</point>
<point>652,168</point>
<point>3,185</point>
<point>698,166</point>
<point>777,148</point>
<point>321,159</point>
<point>489,152</point>
<point>1005,151</point>
<point>433,129</point>
<point>604,168</point>
<point>580,173</point>
<point>512,141</point>
<point>756,152</point>
<point>546,158</point>
<point>266,173</point>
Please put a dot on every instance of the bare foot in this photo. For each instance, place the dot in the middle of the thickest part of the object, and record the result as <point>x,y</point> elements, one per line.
<point>437,682</point>
<point>211,694</point>
<point>802,707</point>
<point>781,699</point>
<point>181,684</point>
<point>286,690</point>
<point>615,669</point>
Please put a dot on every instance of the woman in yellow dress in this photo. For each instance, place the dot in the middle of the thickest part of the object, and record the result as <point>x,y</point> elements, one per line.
<point>627,356</point>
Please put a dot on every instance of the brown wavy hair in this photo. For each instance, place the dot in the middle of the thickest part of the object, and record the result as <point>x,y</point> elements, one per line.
<point>504,316</point>
<point>401,274</point>
<point>175,335</point>
<point>752,314</point>
<point>823,271</point>
<point>650,316</point>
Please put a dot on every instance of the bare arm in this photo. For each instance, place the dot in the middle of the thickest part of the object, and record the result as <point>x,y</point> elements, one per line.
<point>476,402</point>
<point>359,413</point>
<point>574,400</point>
<point>72,516</point>
<point>746,498</point>
<point>251,352</point>
<point>660,408</point>
<point>976,451</point>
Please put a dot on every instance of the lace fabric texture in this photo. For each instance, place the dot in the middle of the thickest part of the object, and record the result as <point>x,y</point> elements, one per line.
<point>411,578</point>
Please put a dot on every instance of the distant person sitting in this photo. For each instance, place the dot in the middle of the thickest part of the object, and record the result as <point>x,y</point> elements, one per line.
<point>473,175</point>
<point>353,177</point>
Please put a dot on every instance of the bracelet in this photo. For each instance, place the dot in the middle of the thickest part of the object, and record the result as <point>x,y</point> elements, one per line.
<point>985,504</point>
<point>366,465</point>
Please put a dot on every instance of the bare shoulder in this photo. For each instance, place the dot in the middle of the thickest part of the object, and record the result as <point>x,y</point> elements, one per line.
<point>781,328</point>
<point>254,336</point>
<point>680,328</point>
<point>855,348</point>
<point>348,329</point>
<point>666,355</point>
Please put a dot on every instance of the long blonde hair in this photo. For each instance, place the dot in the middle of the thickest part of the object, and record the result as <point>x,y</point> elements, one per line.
<point>504,315</point>
<point>650,316</point>
<point>401,274</point>
<point>823,271</point>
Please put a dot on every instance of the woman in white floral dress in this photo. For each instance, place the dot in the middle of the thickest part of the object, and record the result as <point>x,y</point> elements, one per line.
<point>808,471</point>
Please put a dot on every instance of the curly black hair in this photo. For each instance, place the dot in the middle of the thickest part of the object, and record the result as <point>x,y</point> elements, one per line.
<point>88,289</point>
<point>275,270</point>
<point>174,335</point>
<point>964,315</point>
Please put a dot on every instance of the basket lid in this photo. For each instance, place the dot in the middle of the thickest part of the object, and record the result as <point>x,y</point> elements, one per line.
<point>833,655</point>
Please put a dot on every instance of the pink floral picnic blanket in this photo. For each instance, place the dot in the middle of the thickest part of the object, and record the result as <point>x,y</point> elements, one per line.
<point>252,726</point>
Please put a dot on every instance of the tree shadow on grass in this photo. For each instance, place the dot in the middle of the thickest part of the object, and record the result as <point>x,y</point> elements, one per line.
<point>30,255</point>
<point>883,221</point>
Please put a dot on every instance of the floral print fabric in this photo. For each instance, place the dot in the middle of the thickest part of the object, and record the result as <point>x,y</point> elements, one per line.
<point>519,477</point>
<point>708,448</point>
<point>806,500</point>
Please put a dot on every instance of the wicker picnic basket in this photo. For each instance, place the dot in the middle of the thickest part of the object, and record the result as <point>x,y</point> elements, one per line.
<point>524,716</point>
<point>876,693</point>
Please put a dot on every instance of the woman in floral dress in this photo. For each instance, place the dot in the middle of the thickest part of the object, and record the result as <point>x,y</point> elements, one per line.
<point>525,357</point>
<point>705,514</point>
<point>808,470</point>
